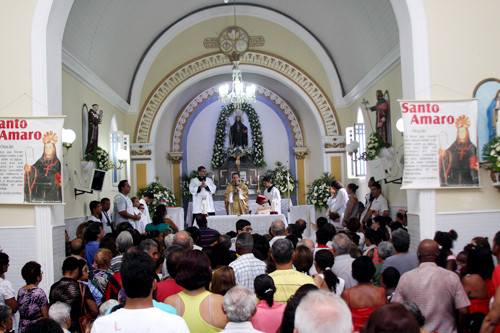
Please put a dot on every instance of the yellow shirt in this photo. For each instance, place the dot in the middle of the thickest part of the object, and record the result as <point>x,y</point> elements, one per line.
<point>287,282</point>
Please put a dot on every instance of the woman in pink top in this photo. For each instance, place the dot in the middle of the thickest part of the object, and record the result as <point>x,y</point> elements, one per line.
<point>269,313</point>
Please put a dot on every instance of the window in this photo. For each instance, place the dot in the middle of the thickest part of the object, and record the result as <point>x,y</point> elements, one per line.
<point>118,141</point>
<point>356,167</point>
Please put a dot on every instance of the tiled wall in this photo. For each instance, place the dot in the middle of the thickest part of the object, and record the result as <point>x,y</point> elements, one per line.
<point>20,244</point>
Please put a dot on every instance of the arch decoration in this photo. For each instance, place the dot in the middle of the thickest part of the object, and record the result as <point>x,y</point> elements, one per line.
<point>184,115</point>
<point>191,69</point>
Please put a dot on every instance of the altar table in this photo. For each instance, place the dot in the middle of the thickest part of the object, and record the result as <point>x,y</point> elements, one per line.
<point>260,223</point>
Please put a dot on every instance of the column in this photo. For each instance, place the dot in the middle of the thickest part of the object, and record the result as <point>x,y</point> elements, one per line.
<point>176,158</point>
<point>300,156</point>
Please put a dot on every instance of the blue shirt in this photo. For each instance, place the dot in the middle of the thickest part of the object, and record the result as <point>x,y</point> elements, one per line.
<point>90,250</point>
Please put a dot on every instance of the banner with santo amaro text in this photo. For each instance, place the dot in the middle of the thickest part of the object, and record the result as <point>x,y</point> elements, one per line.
<point>440,144</point>
<point>31,156</point>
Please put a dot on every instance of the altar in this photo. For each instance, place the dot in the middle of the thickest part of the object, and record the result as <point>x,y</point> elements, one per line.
<point>221,210</point>
<point>260,223</point>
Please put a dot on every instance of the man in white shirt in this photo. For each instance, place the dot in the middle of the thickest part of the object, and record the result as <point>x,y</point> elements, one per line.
<point>123,210</point>
<point>139,315</point>
<point>95,211</point>
<point>106,219</point>
<point>272,194</point>
<point>378,206</point>
<point>202,190</point>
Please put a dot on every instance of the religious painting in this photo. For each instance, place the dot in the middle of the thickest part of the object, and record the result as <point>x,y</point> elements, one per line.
<point>252,177</point>
<point>243,175</point>
<point>487,93</point>
<point>224,178</point>
<point>30,160</point>
<point>440,141</point>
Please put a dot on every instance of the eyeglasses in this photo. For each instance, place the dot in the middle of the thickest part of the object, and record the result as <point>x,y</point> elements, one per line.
<point>247,229</point>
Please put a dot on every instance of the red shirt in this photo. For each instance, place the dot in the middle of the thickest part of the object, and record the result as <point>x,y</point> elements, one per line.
<point>167,288</point>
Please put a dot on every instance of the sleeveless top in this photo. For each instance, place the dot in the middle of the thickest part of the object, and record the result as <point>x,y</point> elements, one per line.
<point>354,212</point>
<point>360,315</point>
<point>192,314</point>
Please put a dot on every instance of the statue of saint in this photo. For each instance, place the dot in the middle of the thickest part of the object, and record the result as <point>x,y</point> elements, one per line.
<point>95,119</point>
<point>382,109</point>
<point>238,134</point>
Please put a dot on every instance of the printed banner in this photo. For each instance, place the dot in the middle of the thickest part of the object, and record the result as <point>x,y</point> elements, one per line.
<point>440,144</point>
<point>30,160</point>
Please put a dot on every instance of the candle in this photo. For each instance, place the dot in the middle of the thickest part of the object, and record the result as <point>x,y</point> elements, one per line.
<point>204,207</point>
<point>273,205</point>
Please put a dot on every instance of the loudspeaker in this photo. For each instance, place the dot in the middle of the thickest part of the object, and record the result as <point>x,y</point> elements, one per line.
<point>97,180</point>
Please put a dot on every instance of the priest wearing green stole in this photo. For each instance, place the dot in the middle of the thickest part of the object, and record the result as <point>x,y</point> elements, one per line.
<point>236,196</point>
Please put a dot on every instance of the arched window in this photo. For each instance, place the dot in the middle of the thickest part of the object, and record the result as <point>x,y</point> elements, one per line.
<point>356,167</point>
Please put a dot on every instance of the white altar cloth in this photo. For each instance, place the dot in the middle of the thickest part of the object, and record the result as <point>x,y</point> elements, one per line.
<point>221,210</point>
<point>260,223</point>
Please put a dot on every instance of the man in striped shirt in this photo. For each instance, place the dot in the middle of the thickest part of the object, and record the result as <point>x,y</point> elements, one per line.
<point>206,234</point>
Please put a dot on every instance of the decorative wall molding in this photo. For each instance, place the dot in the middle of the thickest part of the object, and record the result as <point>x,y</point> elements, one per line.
<point>184,115</point>
<point>300,152</point>
<point>323,106</point>
<point>175,157</point>
<point>334,143</point>
<point>141,151</point>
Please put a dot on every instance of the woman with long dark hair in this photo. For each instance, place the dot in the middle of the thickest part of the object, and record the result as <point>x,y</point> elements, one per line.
<point>478,279</point>
<point>160,221</point>
<point>269,313</point>
<point>326,278</point>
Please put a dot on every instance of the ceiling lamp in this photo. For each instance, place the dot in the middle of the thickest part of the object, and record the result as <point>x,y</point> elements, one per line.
<point>233,41</point>
<point>238,93</point>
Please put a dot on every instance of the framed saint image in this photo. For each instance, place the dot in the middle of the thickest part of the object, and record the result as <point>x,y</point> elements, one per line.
<point>252,176</point>
<point>224,178</point>
<point>30,160</point>
<point>487,93</point>
<point>440,141</point>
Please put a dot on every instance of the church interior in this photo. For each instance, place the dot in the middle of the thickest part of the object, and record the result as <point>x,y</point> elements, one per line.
<point>154,69</point>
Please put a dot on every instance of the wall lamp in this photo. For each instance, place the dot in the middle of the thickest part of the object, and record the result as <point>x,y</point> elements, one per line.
<point>68,137</point>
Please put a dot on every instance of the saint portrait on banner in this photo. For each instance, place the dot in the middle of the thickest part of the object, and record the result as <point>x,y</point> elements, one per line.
<point>42,180</point>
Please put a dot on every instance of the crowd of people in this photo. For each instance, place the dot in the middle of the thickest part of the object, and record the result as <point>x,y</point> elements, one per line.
<point>355,273</point>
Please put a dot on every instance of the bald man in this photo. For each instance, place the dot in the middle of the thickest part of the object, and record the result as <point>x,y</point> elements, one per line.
<point>437,292</point>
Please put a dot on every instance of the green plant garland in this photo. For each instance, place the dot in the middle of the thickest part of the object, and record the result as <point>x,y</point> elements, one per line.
<point>255,153</point>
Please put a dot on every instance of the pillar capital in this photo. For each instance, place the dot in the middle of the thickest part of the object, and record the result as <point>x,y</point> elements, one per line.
<point>300,152</point>
<point>175,157</point>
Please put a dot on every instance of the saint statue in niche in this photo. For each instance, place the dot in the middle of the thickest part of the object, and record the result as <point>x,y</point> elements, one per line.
<point>94,120</point>
<point>238,134</point>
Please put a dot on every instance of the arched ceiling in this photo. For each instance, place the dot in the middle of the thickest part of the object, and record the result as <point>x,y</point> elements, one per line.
<point>109,38</point>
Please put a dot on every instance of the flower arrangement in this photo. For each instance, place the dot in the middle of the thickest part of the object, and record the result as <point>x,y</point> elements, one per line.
<point>317,191</point>
<point>102,160</point>
<point>373,146</point>
<point>255,153</point>
<point>281,178</point>
<point>491,153</point>
<point>163,195</point>
<point>186,179</point>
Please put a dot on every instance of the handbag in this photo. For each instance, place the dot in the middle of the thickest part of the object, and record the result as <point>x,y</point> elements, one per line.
<point>85,317</point>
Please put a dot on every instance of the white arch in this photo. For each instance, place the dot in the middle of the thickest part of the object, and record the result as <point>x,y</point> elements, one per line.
<point>179,90</point>
<point>245,10</point>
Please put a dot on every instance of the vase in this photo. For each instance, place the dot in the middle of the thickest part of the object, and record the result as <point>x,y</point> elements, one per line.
<point>495,178</point>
